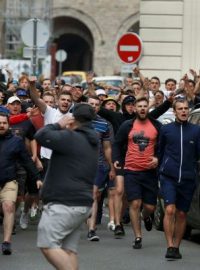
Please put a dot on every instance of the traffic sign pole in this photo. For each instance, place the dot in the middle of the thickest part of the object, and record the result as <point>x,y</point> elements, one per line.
<point>34,62</point>
<point>60,69</point>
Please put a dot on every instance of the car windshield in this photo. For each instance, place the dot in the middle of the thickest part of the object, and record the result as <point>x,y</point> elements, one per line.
<point>117,83</point>
<point>113,92</point>
<point>71,79</point>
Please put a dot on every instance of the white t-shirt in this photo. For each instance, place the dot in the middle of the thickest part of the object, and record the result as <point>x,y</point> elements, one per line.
<point>51,116</point>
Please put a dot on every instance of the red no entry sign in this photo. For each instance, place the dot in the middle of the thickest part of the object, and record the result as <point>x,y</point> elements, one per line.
<point>129,48</point>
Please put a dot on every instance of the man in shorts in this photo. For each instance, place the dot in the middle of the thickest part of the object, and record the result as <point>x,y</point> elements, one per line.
<point>179,151</point>
<point>134,150</point>
<point>12,150</point>
<point>67,189</point>
<point>106,171</point>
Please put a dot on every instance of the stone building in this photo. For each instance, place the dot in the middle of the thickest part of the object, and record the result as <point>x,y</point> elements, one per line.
<point>87,30</point>
<point>170,30</point>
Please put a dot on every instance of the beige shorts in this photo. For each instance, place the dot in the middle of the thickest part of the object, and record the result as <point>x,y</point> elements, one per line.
<point>9,191</point>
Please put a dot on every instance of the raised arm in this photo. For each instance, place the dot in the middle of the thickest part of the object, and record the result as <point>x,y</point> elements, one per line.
<point>35,97</point>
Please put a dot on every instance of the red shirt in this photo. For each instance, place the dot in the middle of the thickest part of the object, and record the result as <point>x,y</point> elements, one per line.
<point>141,145</point>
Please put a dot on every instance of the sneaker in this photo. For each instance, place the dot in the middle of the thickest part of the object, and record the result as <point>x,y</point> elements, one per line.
<point>177,253</point>
<point>6,248</point>
<point>92,236</point>
<point>33,212</point>
<point>111,225</point>
<point>148,223</point>
<point>23,222</point>
<point>119,231</point>
<point>170,254</point>
<point>138,243</point>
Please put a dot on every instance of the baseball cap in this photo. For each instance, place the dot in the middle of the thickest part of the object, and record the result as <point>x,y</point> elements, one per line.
<point>4,109</point>
<point>129,99</point>
<point>83,112</point>
<point>100,92</point>
<point>21,92</point>
<point>13,99</point>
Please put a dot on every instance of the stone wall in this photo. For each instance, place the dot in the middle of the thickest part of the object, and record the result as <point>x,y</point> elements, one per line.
<point>107,21</point>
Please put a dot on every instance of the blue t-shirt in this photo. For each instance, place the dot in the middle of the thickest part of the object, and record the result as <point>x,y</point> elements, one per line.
<point>102,128</point>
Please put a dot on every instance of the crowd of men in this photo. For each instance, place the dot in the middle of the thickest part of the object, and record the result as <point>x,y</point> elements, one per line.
<point>52,131</point>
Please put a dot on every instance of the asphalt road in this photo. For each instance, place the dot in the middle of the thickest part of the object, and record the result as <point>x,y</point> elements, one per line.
<point>108,254</point>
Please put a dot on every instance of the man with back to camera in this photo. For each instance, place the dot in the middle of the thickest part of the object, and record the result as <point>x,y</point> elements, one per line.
<point>67,188</point>
<point>179,151</point>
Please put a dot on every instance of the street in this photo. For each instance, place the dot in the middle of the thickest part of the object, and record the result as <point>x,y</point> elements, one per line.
<point>108,254</point>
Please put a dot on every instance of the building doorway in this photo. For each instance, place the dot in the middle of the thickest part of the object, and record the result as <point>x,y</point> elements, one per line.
<point>76,39</point>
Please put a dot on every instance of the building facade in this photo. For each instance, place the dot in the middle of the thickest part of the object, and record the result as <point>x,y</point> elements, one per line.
<point>170,32</point>
<point>88,31</point>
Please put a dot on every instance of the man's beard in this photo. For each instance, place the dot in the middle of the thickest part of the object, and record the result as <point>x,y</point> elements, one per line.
<point>3,132</point>
<point>141,118</point>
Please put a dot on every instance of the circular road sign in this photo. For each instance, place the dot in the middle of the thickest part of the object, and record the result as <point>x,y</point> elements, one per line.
<point>61,55</point>
<point>129,48</point>
<point>41,30</point>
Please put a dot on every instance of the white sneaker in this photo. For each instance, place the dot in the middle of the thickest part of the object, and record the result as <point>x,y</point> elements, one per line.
<point>23,222</point>
<point>33,212</point>
<point>111,225</point>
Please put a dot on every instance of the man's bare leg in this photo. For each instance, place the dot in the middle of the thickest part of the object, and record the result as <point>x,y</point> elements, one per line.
<point>92,219</point>
<point>61,259</point>
<point>135,217</point>
<point>179,230</point>
<point>111,197</point>
<point>8,221</point>
<point>118,201</point>
<point>169,224</point>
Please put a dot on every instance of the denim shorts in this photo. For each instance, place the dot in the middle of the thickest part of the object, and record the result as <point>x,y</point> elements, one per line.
<point>176,193</point>
<point>60,226</point>
<point>141,185</point>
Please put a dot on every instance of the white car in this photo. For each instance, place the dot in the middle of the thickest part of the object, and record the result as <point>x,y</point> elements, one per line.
<point>167,117</point>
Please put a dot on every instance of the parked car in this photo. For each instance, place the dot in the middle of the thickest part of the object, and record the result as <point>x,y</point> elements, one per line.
<point>193,217</point>
<point>115,81</point>
<point>74,76</point>
<point>70,79</point>
<point>167,117</point>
